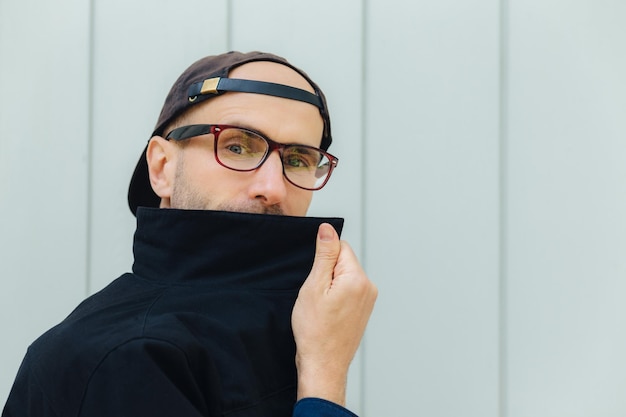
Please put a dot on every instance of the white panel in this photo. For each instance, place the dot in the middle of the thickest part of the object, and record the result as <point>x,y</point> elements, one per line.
<point>43,166</point>
<point>567,204</point>
<point>324,39</point>
<point>139,51</point>
<point>432,207</point>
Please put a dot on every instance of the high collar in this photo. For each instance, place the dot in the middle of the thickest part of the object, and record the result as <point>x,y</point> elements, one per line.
<point>225,249</point>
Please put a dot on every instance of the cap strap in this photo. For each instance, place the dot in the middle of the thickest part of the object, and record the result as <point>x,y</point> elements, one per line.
<point>219,85</point>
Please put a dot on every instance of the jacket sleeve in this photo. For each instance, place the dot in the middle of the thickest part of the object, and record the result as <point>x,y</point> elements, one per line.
<point>144,377</point>
<point>317,407</point>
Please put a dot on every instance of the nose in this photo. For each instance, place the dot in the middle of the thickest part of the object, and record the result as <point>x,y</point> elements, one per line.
<point>269,187</point>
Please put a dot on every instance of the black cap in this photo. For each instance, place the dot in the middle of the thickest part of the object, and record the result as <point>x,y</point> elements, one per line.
<point>207,78</point>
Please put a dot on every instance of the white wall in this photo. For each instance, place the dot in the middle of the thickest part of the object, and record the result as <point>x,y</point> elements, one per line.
<point>566,209</point>
<point>44,181</point>
<point>432,207</point>
<point>483,157</point>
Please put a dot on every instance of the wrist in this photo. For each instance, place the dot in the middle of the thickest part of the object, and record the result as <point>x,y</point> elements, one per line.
<point>321,381</point>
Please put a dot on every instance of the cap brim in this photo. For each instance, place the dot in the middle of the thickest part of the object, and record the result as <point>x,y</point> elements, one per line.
<point>140,193</point>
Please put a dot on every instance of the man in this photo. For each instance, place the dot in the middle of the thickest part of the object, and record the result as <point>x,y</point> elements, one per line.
<point>218,316</point>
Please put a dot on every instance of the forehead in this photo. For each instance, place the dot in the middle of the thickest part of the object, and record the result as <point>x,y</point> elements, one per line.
<point>278,118</point>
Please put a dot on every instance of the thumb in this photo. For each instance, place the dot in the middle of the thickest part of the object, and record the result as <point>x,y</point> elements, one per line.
<point>326,254</point>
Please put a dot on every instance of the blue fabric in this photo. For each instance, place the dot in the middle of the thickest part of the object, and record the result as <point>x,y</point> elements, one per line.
<point>316,407</point>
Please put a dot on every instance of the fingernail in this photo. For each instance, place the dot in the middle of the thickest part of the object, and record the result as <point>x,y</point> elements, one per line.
<point>325,232</point>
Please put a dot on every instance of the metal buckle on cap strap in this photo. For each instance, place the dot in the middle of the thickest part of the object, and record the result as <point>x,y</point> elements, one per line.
<point>208,86</point>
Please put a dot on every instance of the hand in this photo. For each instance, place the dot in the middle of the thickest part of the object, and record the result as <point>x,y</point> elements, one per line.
<point>329,318</point>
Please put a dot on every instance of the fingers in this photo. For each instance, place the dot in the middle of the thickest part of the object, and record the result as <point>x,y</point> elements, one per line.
<point>327,251</point>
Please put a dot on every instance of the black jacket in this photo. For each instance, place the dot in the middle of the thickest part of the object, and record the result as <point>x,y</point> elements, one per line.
<point>202,327</point>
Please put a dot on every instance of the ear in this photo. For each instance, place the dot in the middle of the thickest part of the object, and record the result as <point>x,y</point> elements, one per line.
<point>161,156</point>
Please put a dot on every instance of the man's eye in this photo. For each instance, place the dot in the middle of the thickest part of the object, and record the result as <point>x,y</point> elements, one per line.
<point>301,158</point>
<point>295,162</point>
<point>238,149</point>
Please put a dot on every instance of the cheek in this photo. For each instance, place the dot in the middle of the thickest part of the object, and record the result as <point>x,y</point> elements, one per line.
<point>201,169</point>
<point>300,200</point>
<point>193,172</point>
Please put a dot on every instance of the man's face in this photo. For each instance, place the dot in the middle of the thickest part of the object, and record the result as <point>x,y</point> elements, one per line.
<point>198,181</point>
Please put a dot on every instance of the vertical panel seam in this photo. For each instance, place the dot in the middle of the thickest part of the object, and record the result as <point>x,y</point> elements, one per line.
<point>90,137</point>
<point>364,56</point>
<point>229,25</point>
<point>503,210</point>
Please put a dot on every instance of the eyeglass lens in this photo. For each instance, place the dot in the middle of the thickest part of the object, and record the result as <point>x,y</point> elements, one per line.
<point>244,150</point>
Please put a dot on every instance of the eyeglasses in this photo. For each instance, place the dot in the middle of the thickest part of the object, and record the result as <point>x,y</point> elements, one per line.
<point>242,149</point>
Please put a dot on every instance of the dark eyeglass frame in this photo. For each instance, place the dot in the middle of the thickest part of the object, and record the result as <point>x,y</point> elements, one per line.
<point>190,131</point>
